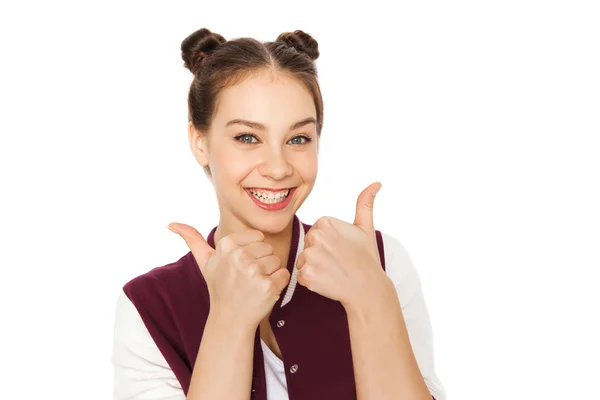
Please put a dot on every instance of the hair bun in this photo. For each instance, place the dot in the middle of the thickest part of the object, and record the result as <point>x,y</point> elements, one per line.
<point>197,46</point>
<point>302,42</point>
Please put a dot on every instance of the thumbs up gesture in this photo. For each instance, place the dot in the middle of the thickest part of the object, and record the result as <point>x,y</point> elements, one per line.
<point>244,277</point>
<point>341,260</point>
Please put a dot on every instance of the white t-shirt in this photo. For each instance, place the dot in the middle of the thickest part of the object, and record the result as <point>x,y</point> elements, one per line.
<point>142,373</point>
<point>274,374</point>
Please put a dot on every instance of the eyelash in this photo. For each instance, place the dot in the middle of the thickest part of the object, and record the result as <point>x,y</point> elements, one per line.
<point>306,138</point>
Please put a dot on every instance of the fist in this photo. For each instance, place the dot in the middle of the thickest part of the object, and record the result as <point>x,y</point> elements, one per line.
<point>341,260</point>
<point>244,278</point>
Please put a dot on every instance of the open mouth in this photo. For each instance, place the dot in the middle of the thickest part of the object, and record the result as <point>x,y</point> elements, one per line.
<point>269,196</point>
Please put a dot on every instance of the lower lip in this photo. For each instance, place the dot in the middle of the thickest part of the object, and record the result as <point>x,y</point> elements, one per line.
<point>275,206</point>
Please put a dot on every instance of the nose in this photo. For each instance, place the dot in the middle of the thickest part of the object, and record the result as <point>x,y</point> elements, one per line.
<point>275,165</point>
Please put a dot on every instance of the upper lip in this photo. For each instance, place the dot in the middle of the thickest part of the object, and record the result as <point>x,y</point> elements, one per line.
<point>270,189</point>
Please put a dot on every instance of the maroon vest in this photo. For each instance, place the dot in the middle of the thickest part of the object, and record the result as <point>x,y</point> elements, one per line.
<point>311,330</point>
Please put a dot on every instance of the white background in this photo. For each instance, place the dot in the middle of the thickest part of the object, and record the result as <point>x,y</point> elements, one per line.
<point>480,118</point>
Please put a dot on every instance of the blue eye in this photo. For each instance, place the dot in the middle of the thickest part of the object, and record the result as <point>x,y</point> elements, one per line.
<point>246,135</point>
<point>306,139</point>
<point>246,138</point>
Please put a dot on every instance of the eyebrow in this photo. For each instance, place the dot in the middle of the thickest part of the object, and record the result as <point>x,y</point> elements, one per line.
<point>259,126</point>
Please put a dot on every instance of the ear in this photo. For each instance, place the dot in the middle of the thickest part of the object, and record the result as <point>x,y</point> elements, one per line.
<point>198,144</point>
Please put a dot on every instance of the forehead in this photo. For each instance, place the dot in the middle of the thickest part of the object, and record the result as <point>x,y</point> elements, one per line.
<point>273,99</point>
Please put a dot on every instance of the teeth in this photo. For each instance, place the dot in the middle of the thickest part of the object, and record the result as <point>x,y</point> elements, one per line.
<point>270,197</point>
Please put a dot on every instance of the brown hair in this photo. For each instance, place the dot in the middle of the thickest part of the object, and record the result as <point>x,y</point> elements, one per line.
<point>217,63</point>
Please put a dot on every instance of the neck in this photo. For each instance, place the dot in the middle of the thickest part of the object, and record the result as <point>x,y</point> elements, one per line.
<point>280,241</point>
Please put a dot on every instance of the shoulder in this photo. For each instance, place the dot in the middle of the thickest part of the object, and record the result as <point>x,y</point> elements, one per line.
<point>140,369</point>
<point>164,281</point>
<point>401,270</point>
<point>399,267</point>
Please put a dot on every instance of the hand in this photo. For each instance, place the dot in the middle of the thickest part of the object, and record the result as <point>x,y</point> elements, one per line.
<point>244,277</point>
<point>341,260</point>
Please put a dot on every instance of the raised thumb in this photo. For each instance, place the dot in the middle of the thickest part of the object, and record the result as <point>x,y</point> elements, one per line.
<point>364,208</point>
<point>195,241</point>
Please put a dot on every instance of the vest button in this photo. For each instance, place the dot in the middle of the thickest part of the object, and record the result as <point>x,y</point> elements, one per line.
<point>280,323</point>
<point>294,368</point>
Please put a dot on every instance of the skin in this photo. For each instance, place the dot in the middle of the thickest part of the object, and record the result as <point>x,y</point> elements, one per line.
<point>276,157</point>
<point>341,261</point>
<point>246,274</point>
<point>274,162</point>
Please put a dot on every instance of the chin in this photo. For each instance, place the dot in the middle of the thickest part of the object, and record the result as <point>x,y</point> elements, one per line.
<point>270,223</point>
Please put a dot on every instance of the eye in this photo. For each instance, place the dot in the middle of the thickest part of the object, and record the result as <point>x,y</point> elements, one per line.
<point>246,138</point>
<point>306,139</point>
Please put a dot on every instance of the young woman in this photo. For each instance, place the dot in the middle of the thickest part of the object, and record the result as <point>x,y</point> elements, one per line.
<point>268,307</point>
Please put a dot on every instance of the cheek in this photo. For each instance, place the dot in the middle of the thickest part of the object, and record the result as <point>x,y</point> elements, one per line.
<point>307,166</point>
<point>230,167</point>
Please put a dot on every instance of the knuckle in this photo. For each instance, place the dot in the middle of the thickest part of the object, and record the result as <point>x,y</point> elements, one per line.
<point>279,281</point>
<point>307,270</point>
<point>269,249</point>
<point>308,239</point>
<point>275,261</point>
<point>318,235</point>
<point>302,272</point>
<point>225,243</point>
<point>239,256</point>
<point>258,235</point>
<point>307,254</point>
<point>303,277</point>
<point>369,205</point>
<point>267,286</point>
<point>318,222</point>
<point>312,237</point>
<point>325,220</point>
<point>309,273</point>
<point>253,268</point>
<point>242,253</point>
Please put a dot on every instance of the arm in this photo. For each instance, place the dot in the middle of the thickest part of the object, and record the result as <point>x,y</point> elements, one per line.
<point>391,336</point>
<point>140,369</point>
<point>384,362</point>
<point>223,368</point>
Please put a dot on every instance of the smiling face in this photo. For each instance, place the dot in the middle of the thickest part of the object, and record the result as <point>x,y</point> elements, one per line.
<point>263,139</point>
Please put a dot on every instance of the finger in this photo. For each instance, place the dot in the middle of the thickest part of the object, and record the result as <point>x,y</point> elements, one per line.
<point>322,223</point>
<point>246,237</point>
<point>257,250</point>
<point>234,241</point>
<point>304,275</point>
<point>364,208</point>
<point>269,264</point>
<point>194,240</point>
<point>301,260</point>
<point>280,278</point>
<point>313,236</point>
<point>313,256</point>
